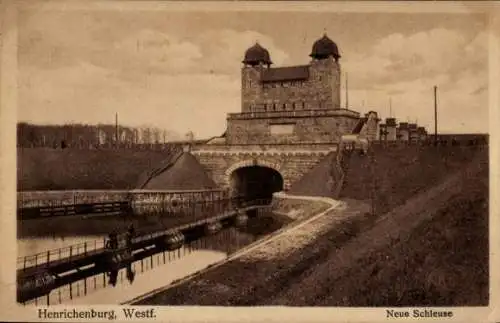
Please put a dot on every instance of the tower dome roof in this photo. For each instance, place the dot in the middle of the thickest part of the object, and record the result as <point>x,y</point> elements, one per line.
<point>324,47</point>
<point>257,54</point>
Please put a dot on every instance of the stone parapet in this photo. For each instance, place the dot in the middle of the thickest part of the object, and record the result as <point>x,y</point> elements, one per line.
<point>293,114</point>
<point>295,149</point>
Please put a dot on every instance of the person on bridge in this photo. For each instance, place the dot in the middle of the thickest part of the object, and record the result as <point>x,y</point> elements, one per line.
<point>130,236</point>
<point>112,243</point>
<point>131,230</point>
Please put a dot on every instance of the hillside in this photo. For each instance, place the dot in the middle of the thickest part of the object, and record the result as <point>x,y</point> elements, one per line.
<point>430,254</point>
<point>66,169</point>
<point>185,174</point>
<point>316,181</point>
<point>398,173</point>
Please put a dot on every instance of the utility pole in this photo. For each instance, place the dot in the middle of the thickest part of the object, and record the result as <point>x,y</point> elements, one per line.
<point>116,129</point>
<point>346,93</point>
<point>435,116</point>
<point>373,185</point>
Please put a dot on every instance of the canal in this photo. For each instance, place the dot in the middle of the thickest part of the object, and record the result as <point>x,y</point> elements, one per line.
<point>147,274</point>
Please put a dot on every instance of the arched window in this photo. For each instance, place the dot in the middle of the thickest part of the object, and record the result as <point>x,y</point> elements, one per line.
<point>284,106</point>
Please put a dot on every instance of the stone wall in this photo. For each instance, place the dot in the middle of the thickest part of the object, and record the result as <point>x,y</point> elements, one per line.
<point>48,198</point>
<point>291,165</point>
<point>312,127</point>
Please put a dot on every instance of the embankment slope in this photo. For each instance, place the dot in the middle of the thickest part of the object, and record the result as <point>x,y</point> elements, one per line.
<point>397,173</point>
<point>428,252</point>
<point>401,172</point>
<point>317,182</point>
<point>71,169</point>
<point>41,169</point>
<point>185,174</point>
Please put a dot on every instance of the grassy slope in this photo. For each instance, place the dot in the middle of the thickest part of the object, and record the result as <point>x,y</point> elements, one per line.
<point>185,174</point>
<point>56,169</point>
<point>401,172</point>
<point>315,182</point>
<point>444,262</point>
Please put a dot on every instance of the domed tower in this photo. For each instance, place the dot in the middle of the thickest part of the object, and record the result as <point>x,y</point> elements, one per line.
<point>325,70</point>
<point>324,48</point>
<point>257,55</point>
<point>256,59</point>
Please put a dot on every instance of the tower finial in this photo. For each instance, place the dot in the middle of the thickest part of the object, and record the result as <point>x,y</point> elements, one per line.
<point>324,31</point>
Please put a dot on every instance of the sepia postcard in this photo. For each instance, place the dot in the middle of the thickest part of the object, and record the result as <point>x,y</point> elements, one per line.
<point>253,161</point>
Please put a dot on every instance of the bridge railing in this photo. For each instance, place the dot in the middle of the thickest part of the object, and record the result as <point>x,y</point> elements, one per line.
<point>67,252</point>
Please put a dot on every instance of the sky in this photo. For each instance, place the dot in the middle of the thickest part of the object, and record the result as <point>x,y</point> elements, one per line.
<point>180,70</point>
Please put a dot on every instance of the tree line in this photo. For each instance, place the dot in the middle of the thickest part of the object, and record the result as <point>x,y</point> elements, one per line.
<point>94,136</point>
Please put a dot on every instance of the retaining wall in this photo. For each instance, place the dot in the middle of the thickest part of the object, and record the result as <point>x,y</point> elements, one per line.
<point>136,197</point>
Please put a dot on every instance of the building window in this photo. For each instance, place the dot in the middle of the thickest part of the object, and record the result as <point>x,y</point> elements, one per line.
<point>293,106</point>
<point>282,129</point>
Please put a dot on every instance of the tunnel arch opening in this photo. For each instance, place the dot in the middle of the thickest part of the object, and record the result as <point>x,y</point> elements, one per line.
<point>255,182</point>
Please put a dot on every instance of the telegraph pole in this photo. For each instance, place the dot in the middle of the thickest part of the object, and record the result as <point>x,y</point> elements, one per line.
<point>435,116</point>
<point>116,128</point>
<point>373,180</point>
<point>346,93</point>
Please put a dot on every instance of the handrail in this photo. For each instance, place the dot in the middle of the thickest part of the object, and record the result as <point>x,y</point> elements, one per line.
<point>67,252</point>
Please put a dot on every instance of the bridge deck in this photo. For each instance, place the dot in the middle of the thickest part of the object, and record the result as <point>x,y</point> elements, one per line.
<point>88,257</point>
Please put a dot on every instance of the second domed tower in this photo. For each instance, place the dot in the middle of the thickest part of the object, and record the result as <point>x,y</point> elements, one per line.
<point>324,48</point>
<point>257,55</point>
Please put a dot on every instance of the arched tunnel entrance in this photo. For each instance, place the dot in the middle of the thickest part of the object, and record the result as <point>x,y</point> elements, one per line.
<point>255,182</point>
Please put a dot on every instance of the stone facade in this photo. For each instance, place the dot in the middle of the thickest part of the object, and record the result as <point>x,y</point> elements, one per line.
<point>290,127</point>
<point>290,164</point>
<point>312,87</point>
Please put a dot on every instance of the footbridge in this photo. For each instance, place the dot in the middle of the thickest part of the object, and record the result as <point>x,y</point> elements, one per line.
<point>39,274</point>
